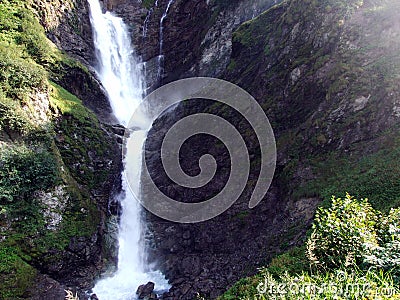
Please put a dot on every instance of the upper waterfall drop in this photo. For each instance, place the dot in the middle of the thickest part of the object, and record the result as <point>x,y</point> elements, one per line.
<point>120,72</point>
<point>119,69</point>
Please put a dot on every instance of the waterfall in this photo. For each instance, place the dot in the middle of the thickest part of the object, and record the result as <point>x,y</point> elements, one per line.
<point>147,20</point>
<point>161,56</point>
<point>120,72</point>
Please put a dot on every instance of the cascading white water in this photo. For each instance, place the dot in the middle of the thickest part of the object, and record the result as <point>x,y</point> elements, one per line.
<point>161,55</point>
<point>147,20</point>
<point>121,75</point>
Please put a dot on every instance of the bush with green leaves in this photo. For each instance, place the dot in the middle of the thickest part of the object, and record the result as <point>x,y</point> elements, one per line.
<point>342,234</point>
<point>33,37</point>
<point>387,255</point>
<point>23,171</point>
<point>17,274</point>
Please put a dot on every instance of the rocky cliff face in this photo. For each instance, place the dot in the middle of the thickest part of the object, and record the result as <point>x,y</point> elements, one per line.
<point>67,25</point>
<point>196,34</point>
<point>327,76</point>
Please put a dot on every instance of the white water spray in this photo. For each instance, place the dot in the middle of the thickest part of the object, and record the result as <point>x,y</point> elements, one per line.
<point>121,75</point>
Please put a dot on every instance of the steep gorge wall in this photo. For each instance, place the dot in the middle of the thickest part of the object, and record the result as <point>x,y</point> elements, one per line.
<point>327,76</point>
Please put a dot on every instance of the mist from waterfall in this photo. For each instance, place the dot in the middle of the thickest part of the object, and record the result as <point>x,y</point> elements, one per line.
<point>120,72</point>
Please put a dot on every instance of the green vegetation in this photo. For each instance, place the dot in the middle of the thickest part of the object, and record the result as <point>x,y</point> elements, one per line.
<point>81,134</point>
<point>375,175</point>
<point>24,171</point>
<point>17,275</point>
<point>13,118</point>
<point>343,233</point>
<point>42,158</point>
<point>18,74</point>
<point>352,252</point>
<point>67,104</point>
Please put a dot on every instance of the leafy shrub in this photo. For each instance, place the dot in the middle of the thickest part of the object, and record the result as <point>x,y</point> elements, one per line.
<point>23,171</point>
<point>348,233</point>
<point>9,21</point>
<point>343,233</point>
<point>390,226</point>
<point>387,255</point>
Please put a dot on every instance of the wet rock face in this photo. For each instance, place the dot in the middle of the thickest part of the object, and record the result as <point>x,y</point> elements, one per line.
<point>208,257</point>
<point>87,87</point>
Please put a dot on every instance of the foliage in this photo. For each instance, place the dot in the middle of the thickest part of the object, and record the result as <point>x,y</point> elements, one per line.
<point>9,19</point>
<point>18,26</point>
<point>245,288</point>
<point>82,137</point>
<point>67,104</point>
<point>387,255</point>
<point>375,176</point>
<point>336,284</point>
<point>348,233</point>
<point>343,233</point>
<point>293,261</point>
<point>12,117</point>
<point>33,38</point>
<point>18,74</point>
<point>24,171</point>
